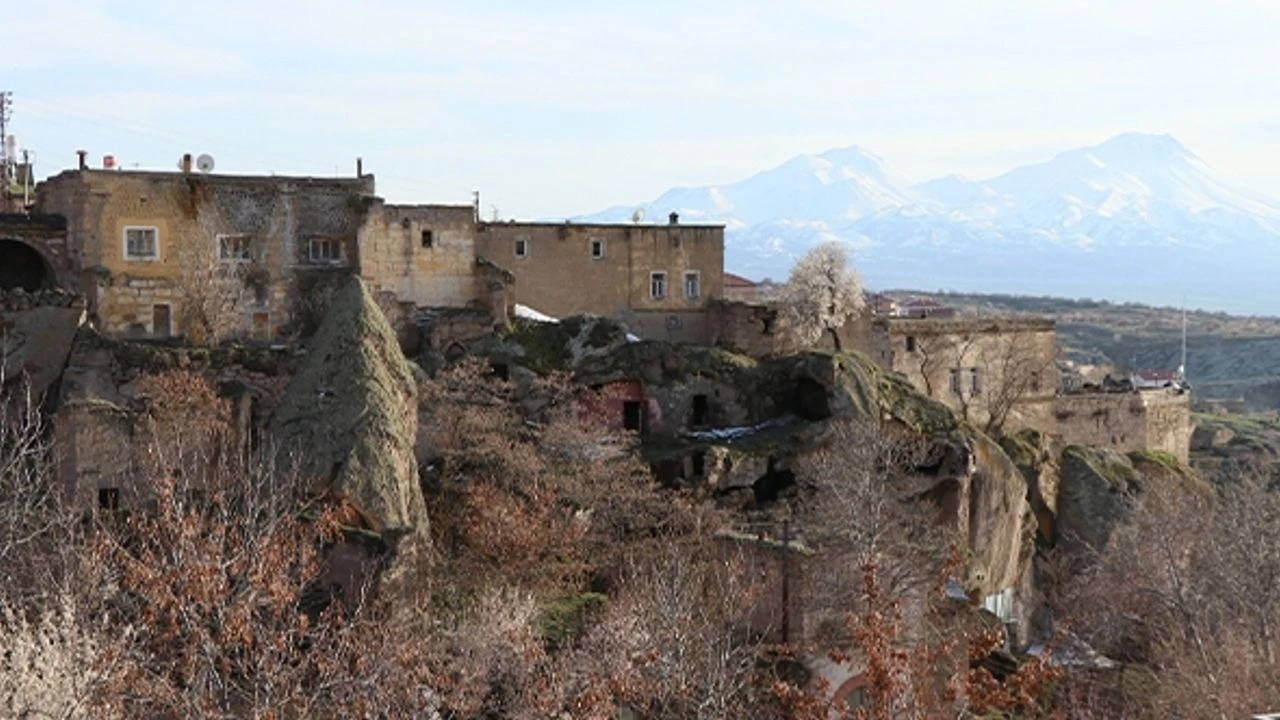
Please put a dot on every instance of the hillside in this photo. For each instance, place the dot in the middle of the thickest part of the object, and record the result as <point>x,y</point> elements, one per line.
<point>1228,356</point>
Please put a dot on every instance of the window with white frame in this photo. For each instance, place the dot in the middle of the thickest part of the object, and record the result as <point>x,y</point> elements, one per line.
<point>234,248</point>
<point>522,247</point>
<point>324,250</point>
<point>657,285</point>
<point>692,284</point>
<point>597,248</point>
<point>141,243</point>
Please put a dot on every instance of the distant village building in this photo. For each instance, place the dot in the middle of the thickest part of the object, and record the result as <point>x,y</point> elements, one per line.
<point>881,305</point>
<point>925,308</point>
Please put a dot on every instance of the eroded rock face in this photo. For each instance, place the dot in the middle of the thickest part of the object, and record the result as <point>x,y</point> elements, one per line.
<point>36,334</point>
<point>1096,495</point>
<point>349,418</point>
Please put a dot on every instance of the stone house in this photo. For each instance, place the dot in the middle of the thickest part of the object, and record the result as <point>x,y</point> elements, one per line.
<point>1002,374</point>
<point>657,279</point>
<point>208,256</point>
<point>992,372</point>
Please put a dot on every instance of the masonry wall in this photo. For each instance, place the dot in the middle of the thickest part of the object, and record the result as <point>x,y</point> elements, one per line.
<point>560,277</point>
<point>1014,360</point>
<point>761,330</point>
<point>423,254</point>
<point>1127,422</point>
<point>278,215</point>
<point>47,236</point>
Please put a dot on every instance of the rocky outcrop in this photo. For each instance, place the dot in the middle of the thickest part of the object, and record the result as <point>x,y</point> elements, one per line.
<point>36,333</point>
<point>1037,457</point>
<point>348,419</point>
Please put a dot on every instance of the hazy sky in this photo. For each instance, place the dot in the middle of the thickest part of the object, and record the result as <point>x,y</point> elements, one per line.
<point>566,106</point>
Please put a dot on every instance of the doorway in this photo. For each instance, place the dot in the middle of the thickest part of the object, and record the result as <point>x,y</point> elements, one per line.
<point>633,415</point>
<point>161,324</point>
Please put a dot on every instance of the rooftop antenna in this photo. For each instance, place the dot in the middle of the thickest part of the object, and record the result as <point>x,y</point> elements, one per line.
<point>6,162</point>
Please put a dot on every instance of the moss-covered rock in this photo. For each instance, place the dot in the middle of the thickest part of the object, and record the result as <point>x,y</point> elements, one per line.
<point>348,419</point>
<point>1096,495</point>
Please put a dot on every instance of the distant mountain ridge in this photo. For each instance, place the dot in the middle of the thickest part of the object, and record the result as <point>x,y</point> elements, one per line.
<point>1138,217</point>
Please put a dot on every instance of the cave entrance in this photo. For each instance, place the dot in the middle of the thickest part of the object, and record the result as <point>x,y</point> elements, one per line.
<point>22,267</point>
<point>809,400</point>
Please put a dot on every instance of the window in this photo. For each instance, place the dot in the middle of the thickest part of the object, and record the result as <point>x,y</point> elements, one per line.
<point>657,285</point>
<point>1035,381</point>
<point>522,247</point>
<point>234,248</point>
<point>141,243</point>
<point>701,412</point>
<point>262,326</point>
<point>955,381</point>
<point>632,415</point>
<point>428,239</point>
<point>692,284</point>
<point>975,381</point>
<point>597,248</point>
<point>911,343</point>
<point>324,250</point>
<point>109,498</point>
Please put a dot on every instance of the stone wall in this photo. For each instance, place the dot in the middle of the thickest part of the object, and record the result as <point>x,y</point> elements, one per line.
<point>606,270</point>
<point>977,367</point>
<point>1127,422</point>
<point>36,333</point>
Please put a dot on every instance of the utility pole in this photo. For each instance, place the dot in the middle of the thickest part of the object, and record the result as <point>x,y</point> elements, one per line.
<point>6,107</point>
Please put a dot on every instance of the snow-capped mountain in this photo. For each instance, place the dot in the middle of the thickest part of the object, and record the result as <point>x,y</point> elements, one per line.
<point>1138,217</point>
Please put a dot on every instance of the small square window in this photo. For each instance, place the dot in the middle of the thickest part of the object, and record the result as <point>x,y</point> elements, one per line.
<point>692,284</point>
<point>109,498</point>
<point>657,285</point>
<point>428,239</point>
<point>597,248</point>
<point>141,243</point>
<point>324,250</point>
<point>234,248</point>
<point>522,247</point>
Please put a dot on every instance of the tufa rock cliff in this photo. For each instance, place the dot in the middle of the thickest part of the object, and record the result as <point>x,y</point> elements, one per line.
<point>348,418</point>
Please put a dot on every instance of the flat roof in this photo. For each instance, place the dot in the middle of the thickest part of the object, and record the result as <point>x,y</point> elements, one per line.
<point>569,223</point>
<point>178,174</point>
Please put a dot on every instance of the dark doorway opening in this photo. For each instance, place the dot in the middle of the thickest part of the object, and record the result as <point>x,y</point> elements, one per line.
<point>633,415</point>
<point>161,321</point>
<point>701,411</point>
<point>22,267</point>
<point>772,484</point>
<point>500,370</point>
<point>109,498</point>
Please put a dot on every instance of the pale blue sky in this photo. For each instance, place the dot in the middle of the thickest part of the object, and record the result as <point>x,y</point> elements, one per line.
<point>566,106</point>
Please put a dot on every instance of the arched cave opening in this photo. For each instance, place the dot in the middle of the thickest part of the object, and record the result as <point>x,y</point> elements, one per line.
<point>770,486</point>
<point>809,400</point>
<point>22,267</point>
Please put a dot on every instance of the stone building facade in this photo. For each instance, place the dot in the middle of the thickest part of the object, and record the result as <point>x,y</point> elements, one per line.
<point>33,251</point>
<point>210,256</point>
<point>1158,419</point>
<point>992,372</point>
<point>657,279</point>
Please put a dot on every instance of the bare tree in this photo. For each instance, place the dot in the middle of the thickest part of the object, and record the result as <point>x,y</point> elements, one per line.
<point>823,292</point>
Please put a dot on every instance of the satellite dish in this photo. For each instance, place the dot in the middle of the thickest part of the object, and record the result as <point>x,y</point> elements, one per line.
<point>204,163</point>
<point>638,215</point>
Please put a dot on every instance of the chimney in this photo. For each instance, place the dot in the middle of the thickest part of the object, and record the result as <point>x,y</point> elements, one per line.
<point>674,218</point>
<point>186,162</point>
<point>84,159</point>
<point>359,167</point>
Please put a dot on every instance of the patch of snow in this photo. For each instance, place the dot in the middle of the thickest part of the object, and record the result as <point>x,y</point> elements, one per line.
<point>527,313</point>
<point>734,433</point>
<point>632,338</point>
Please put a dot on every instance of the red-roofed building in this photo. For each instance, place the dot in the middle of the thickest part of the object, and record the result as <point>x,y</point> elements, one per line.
<point>741,289</point>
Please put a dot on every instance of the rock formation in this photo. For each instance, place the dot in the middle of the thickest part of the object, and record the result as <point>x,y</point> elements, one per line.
<point>348,419</point>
